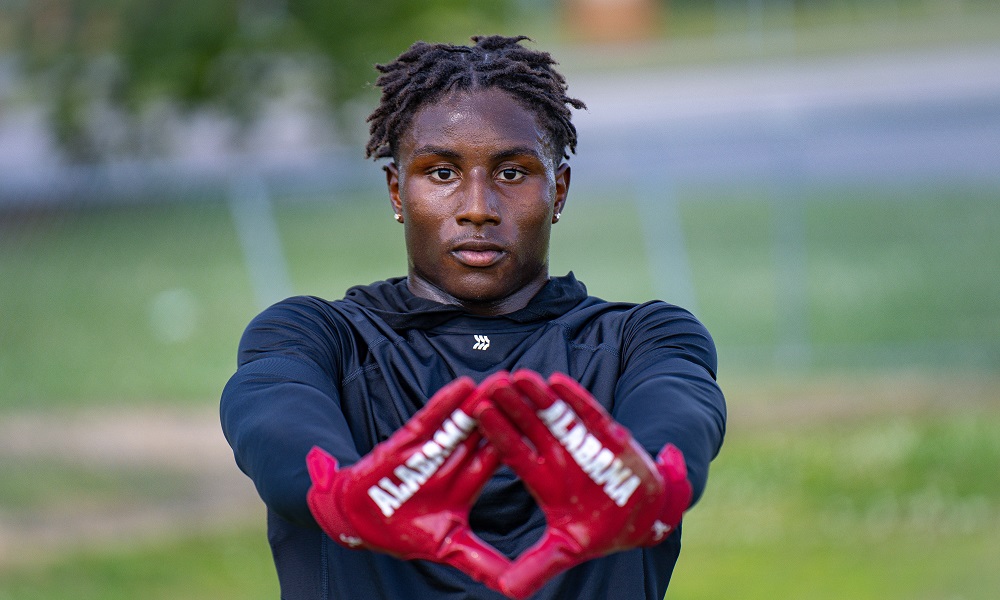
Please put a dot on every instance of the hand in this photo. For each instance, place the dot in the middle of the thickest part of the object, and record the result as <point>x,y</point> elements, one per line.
<point>599,490</point>
<point>411,495</point>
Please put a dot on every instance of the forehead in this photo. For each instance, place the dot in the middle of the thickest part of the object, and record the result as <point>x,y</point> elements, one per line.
<point>488,120</point>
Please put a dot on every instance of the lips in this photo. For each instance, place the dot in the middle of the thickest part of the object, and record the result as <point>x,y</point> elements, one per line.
<point>478,253</point>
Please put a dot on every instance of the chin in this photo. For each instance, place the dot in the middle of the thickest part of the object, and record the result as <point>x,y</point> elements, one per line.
<point>479,296</point>
<point>483,287</point>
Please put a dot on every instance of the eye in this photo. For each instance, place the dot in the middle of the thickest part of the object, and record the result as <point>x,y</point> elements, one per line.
<point>443,174</point>
<point>511,175</point>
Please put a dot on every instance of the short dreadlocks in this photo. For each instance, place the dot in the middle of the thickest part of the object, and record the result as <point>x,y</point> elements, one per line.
<point>426,72</point>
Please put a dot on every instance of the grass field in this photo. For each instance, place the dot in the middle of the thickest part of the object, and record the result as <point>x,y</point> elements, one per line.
<point>230,564</point>
<point>868,472</point>
<point>826,489</point>
<point>147,304</point>
<point>864,434</point>
<point>851,507</point>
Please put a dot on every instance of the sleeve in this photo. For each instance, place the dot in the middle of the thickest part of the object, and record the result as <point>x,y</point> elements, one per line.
<point>667,392</point>
<point>283,400</point>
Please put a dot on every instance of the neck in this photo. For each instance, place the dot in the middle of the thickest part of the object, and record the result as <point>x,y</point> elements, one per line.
<point>489,307</point>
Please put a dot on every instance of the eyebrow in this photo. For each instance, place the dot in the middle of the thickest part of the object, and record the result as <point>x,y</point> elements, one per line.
<point>435,151</point>
<point>518,151</point>
<point>442,151</point>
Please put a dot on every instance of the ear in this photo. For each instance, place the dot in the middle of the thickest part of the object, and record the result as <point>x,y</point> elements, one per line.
<point>392,182</point>
<point>562,190</point>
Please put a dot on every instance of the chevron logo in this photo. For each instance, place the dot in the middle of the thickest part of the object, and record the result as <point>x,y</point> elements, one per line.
<point>660,529</point>
<point>482,342</point>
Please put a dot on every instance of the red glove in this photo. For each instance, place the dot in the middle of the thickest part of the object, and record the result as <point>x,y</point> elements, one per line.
<point>599,490</point>
<point>411,495</point>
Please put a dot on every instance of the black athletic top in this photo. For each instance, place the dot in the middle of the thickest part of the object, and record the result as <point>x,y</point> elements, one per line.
<point>345,375</point>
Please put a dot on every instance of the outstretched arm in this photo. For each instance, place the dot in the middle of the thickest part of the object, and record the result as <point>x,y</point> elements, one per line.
<point>667,393</point>
<point>284,399</point>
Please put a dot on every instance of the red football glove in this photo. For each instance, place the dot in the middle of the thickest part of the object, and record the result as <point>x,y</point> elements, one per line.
<point>599,490</point>
<point>411,495</point>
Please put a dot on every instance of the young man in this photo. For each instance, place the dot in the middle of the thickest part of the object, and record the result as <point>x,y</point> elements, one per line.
<point>441,464</point>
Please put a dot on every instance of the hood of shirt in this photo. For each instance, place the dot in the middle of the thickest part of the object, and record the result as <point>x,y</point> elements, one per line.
<point>393,302</point>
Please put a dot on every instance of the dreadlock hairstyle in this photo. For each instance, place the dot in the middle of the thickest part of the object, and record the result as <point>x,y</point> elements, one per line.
<point>426,72</point>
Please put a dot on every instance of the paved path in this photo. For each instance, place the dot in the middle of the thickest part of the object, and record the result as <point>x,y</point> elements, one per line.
<point>884,116</point>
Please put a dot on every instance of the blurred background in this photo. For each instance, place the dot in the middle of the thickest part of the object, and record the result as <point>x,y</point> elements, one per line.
<point>816,179</point>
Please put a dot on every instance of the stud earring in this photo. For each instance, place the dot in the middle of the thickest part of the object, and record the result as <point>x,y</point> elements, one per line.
<point>555,217</point>
<point>399,218</point>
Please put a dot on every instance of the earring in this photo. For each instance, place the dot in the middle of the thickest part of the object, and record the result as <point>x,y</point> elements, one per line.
<point>399,218</point>
<point>555,217</point>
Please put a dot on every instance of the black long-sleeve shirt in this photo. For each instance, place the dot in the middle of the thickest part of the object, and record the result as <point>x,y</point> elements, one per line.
<point>345,375</point>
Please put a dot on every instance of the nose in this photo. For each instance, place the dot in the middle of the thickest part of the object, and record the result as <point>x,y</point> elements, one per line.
<point>479,204</point>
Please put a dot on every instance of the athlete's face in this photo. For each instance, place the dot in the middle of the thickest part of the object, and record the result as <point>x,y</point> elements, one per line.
<point>478,187</point>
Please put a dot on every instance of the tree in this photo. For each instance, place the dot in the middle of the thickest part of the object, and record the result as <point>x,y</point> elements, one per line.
<point>101,66</point>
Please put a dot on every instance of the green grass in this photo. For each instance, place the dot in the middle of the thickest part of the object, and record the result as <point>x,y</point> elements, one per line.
<point>864,499</point>
<point>891,277</point>
<point>871,507</point>
<point>330,248</point>
<point>602,245</point>
<point>217,566</point>
<point>894,508</point>
<point>147,304</point>
<point>896,270</point>
<point>80,301</point>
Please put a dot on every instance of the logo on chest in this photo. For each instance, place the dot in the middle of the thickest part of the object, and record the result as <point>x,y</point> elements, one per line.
<point>482,342</point>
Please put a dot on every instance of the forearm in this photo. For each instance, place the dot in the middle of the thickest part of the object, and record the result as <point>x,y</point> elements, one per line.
<point>273,411</point>
<point>679,403</point>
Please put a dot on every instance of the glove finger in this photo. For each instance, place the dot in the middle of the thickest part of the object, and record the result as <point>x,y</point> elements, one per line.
<point>533,386</point>
<point>503,436</point>
<point>439,407</point>
<point>512,448</point>
<point>678,490</point>
<point>581,401</point>
<point>477,559</point>
<point>480,469</point>
<point>467,470</point>
<point>473,443</point>
<point>322,502</point>
<point>487,458</point>
<point>670,462</point>
<point>493,382</point>
<point>522,403</point>
<point>537,565</point>
<point>322,468</point>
